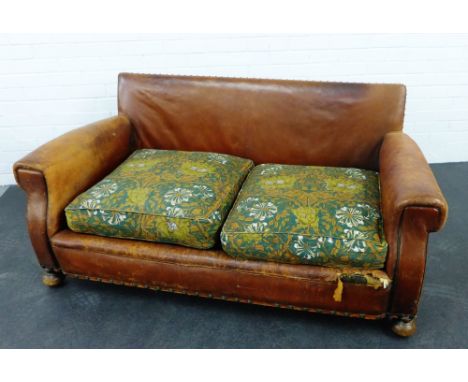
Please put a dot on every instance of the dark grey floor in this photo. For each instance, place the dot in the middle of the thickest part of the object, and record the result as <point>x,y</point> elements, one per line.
<point>91,315</point>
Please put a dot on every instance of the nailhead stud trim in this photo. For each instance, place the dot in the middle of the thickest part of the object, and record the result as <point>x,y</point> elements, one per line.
<point>236,299</point>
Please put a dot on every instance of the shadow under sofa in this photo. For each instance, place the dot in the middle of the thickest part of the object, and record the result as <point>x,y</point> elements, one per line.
<point>267,121</point>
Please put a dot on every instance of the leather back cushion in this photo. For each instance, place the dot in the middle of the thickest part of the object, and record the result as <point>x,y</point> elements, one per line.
<point>268,121</point>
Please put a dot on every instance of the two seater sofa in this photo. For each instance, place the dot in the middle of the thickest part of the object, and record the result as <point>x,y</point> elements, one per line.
<point>295,194</point>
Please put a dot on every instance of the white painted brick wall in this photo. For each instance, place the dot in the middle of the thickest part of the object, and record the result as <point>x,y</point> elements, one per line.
<point>50,84</point>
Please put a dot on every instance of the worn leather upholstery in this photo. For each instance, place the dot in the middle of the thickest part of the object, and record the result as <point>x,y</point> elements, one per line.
<point>212,273</point>
<point>412,206</point>
<point>290,122</point>
<point>268,121</point>
<point>61,169</point>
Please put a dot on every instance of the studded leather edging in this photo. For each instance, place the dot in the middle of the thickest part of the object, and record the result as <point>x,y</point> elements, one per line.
<point>227,298</point>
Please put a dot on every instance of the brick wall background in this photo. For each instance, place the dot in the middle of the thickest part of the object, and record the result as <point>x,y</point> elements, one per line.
<point>50,84</point>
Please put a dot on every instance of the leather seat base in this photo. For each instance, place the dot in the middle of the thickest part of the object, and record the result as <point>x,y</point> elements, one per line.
<point>211,273</point>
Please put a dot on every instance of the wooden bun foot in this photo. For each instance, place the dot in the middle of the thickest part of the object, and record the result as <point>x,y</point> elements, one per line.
<point>52,279</point>
<point>404,328</point>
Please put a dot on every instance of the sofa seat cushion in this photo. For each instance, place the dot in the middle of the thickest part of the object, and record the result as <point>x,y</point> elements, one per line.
<point>166,196</point>
<point>324,216</point>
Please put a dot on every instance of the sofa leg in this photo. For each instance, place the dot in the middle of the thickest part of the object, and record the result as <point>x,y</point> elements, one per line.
<point>404,327</point>
<point>52,278</point>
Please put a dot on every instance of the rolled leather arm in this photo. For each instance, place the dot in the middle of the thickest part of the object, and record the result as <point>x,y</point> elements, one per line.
<point>58,171</point>
<point>412,206</point>
<point>407,181</point>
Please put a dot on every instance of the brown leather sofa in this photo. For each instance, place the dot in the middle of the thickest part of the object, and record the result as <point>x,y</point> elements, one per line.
<point>268,121</point>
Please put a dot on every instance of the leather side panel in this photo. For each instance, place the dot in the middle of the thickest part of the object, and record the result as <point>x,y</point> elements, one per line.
<point>34,184</point>
<point>411,260</point>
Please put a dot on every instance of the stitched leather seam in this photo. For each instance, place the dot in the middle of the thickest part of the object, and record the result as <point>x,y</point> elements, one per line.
<point>283,80</point>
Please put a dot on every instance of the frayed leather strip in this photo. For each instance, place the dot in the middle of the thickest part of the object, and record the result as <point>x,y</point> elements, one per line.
<point>371,278</point>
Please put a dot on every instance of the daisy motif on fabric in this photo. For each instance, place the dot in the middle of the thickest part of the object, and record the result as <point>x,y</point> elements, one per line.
<point>203,192</point>
<point>259,227</point>
<point>350,216</point>
<point>175,212</point>
<point>355,240</point>
<point>91,205</point>
<point>369,212</point>
<point>104,189</point>
<point>307,249</point>
<point>178,195</point>
<point>243,206</point>
<point>113,218</point>
<point>263,210</point>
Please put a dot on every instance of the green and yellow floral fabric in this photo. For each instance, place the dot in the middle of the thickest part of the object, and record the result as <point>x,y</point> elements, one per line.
<point>324,216</point>
<point>166,196</point>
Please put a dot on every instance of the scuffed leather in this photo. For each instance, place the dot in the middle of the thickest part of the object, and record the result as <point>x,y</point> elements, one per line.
<point>407,181</point>
<point>410,263</point>
<point>213,273</point>
<point>268,121</point>
<point>68,165</point>
<point>291,122</point>
<point>412,206</point>
<point>33,183</point>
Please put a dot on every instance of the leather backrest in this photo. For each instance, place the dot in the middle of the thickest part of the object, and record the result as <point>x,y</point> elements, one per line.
<point>268,121</point>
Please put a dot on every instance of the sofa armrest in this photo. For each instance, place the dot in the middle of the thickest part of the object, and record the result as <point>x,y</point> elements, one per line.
<point>55,173</point>
<point>412,206</point>
<point>407,180</point>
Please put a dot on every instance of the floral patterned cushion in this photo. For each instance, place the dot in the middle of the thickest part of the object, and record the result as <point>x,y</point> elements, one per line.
<point>309,215</point>
<point>159,195</point>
